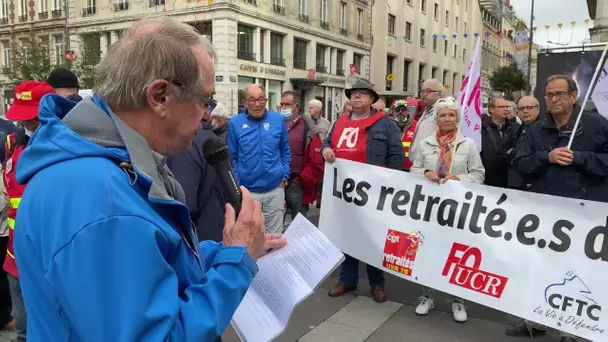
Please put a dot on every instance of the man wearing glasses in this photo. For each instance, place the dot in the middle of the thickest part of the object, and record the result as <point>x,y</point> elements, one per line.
<point>432,90</point>
<point>261,157</point>
<point>528,109</point>
<point>543,156</point>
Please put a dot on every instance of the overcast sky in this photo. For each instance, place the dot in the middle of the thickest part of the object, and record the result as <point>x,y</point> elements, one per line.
<point>553,12</point>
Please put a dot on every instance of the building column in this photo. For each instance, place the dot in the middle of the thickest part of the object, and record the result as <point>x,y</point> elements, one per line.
<point>103,43</point>
<point>257,34</point>
<point>348,62</point>
<point>311,55</point>
<point>334,61</point>
<point>75,44</point>
<point>113,37</point>
<point>328,64</point>
<point>266,47</point>
<point>288,52</point>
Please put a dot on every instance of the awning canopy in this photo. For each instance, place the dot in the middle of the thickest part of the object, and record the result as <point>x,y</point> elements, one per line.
<point>304,83</point>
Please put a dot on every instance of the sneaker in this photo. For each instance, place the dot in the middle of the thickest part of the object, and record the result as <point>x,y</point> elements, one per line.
<point>567,339</point>
<point>426,304</point>
<point>460,312</point>
<point>523,329</point>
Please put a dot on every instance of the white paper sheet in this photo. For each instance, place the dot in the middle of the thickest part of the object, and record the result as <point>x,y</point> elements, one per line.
<point>285,278</point>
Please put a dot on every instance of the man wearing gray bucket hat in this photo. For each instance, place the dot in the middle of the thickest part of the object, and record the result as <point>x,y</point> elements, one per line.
<point>367,136</point>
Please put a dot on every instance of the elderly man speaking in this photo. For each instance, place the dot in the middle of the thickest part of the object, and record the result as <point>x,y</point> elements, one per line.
<point>106,247</point>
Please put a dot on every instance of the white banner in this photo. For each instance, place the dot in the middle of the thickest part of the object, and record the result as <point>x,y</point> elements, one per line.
<point>539,257</point>
<point>470,99</point>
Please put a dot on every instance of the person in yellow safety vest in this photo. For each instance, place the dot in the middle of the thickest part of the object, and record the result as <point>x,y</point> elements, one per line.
<point>24,110</point>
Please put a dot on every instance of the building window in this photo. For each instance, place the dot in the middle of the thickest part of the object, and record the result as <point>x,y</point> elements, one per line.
<point>340,63</point>
<point>409,2</point>
<point>276,49</point>
<point>59,49</point>
<point>406,74</point>
<point>390,61</point>
<point>423,6</point>
<point>391,24</point>
<point>359,21</point>
<point>23,7</point>
<point>421,75</point>
<point>445,47</point>
<point>434,44</point>
<point>434,72</point>
<point>302,7</point>
<point>275,89</point>
<point>6,53</point>
<point>436,12</point>
<point>445,77</point>
<point>43,6</point>
<point>408,31</point>
<point>357,60</point>
<point>447,18</point>
<point>324,10</point>
<point>320,58</point>
<point>343,15</point>
<point>245,43</point>
<point>4,9</point>
<point>422,37</point>
<point>457,24</point>
<point>299,53</point>
<point>455,50</point>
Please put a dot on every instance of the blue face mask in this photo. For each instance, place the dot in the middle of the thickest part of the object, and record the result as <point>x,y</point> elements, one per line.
<point>287,113</point>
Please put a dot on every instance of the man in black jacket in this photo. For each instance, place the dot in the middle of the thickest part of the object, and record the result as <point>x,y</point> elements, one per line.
<point>528,109</point>
<point>205,195</point>
<point>498,139</point>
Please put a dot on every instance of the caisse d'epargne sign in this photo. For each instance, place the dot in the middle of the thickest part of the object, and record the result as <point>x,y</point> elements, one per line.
<point>539,257</point>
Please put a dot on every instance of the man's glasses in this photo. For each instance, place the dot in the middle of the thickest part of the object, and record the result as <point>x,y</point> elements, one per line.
<point>560,95</point>
<point>428,91</point>
<point>205,101</point>
<point>502,107</point>
<point>525,108</point>
<point>261,100</point>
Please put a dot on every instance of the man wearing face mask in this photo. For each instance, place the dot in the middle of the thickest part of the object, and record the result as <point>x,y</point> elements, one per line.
<point>24,110</point>
<point>407,124</point>
<point>297,131</point>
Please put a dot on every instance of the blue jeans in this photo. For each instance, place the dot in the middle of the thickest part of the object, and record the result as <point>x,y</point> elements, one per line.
<point>349,275</point>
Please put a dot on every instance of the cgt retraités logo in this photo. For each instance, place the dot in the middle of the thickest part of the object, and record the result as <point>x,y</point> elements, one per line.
<point>400,250</point>
<point>570,302</point>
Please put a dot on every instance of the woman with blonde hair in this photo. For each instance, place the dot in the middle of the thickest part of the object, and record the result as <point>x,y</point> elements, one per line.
<point>447,155</point>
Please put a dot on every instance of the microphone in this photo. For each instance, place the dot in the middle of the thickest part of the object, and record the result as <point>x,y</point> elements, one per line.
<point>217,155</point>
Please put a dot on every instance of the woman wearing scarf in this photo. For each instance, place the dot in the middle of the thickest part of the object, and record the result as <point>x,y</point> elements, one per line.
<point>367,136</point>
<point>445,156</point>
<point>407,124</point>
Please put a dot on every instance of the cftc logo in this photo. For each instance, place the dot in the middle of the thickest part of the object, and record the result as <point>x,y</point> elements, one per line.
<point>350,136</point>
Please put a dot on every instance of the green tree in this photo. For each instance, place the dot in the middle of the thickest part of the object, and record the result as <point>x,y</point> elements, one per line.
<point>508,79</point>
<point>29,62</point>
<point>87,60</point>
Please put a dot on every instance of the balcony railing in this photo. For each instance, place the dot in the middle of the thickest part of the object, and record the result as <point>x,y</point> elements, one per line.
<point>304,18</point>
<point>324,25</point>
<point>3,21</point>
<point>299,65</point>
<point>343,31</point>
<point>56,14</point>
<point>154,3</point>
<point>89,11</point>
<point>246,55</point>
<point>23,18</point>
<point>278,9</point>
<point>277,61</point>
<point>121,6</point>
<point>340,72</point>
<point>322,69</point>
<point>360,36</point>
<point>43,15</point>
<point>251,2</point>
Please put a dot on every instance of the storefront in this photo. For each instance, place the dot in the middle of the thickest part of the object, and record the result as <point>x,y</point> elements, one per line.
<point>331,93</point>
<point>271,77</point>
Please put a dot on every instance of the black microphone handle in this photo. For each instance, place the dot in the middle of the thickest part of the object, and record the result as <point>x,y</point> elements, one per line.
<point>231,187</point>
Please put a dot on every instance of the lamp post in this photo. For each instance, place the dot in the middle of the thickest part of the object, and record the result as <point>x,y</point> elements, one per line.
<point>530,43</point>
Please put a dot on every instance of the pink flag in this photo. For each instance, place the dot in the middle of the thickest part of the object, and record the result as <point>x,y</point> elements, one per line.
<point>470,99</point>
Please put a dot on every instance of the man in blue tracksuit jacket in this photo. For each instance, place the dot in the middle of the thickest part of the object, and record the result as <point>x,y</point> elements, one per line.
<point>261,158</point>
<point>104,240</point>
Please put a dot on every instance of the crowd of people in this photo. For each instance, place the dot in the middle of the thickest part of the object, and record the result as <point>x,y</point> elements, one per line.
<point>132,193</point>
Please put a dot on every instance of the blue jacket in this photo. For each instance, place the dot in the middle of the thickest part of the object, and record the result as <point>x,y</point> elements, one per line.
<point>101,257</point>
<point>384,147</point>
<point>260,151</point>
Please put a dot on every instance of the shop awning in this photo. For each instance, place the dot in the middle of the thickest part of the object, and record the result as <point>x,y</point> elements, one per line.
<point>304,83</point>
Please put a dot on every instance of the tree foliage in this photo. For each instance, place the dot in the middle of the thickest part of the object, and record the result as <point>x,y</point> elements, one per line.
<point>29,62</point>
<point>508,79</point>
<point>87,60</point>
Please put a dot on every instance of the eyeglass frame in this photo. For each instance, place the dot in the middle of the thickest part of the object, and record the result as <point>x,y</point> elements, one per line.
<point>207,101</point>
<point>562,95</point>
<point>524,108</point>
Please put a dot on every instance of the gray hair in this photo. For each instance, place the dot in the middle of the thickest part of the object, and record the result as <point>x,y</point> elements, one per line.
<point>492,102</point>
<point>152,49</point>
<point>447,103</point>
<point>437,86</point>
<point>316,103</point>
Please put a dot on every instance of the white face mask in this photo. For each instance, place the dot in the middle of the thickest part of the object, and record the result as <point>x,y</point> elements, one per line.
<point>28,132</point>
<point>287,113</point>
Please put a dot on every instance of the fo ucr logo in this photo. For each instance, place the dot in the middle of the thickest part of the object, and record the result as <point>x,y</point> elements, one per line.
<point>350,136</point>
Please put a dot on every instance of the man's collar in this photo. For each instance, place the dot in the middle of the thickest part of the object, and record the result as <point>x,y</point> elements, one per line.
<point>548,121</point>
